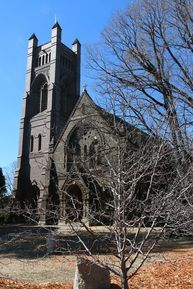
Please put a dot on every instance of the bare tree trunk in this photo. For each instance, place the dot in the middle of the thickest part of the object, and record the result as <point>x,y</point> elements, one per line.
<point>124,282</point>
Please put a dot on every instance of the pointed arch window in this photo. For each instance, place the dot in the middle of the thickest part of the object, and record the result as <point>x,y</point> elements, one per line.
<point>39,61</point>
<point>43,59</point>
<point>32,144</point>
<point>92,155</point>
<point>43,97</point>
<point>39,142</point>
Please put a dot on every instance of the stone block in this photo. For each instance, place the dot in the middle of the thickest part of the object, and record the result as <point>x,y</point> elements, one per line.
<point>89,275</point>
<point>51,243</point>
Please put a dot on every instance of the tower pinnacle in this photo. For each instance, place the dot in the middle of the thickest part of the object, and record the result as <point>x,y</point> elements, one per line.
<point>57,25</point>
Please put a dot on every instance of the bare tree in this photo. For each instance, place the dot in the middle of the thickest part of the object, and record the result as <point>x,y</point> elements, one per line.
<point>145,65</point>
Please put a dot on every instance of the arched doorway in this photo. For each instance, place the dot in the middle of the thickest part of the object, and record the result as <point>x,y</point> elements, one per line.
<point>74,203</point>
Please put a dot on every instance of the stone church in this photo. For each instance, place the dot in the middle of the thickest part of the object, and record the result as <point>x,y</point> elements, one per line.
<point>62,136</point>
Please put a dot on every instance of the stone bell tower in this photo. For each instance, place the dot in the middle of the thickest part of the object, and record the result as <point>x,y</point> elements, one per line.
<point>51,91</point>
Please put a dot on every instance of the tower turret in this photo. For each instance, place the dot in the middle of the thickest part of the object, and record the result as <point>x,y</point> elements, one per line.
<point>57,32</point>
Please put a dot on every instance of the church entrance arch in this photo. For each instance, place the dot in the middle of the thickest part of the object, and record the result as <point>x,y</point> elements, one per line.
<point>74,203</point>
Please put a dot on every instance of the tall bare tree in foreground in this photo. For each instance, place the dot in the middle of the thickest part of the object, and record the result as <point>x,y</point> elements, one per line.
<point>145,65</point>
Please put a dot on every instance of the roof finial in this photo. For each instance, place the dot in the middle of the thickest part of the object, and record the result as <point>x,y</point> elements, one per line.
<point>84,87</point>
<point>55,18</point>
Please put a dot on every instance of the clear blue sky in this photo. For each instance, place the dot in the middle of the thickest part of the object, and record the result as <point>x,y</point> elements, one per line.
<point>82,19</point>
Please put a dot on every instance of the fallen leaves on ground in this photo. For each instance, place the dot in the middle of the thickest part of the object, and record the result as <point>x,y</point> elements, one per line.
<point>15,284</point>
<point>170,274</point>
<point>176,274</point>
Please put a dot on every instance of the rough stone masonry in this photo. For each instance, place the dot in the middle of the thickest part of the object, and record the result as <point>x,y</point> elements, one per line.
<point>89,275</point>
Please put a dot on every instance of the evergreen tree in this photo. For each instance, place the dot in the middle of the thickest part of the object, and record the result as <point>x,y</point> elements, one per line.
<point>2,183</point>
<point>4,213</point>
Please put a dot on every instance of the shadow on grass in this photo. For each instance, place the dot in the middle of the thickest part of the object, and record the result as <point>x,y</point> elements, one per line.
<point>32,242</point>
<point>24,241</point>
<point>173,244</point>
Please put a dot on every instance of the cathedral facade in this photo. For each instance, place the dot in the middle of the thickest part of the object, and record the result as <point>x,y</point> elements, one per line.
<point>64,137</point>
